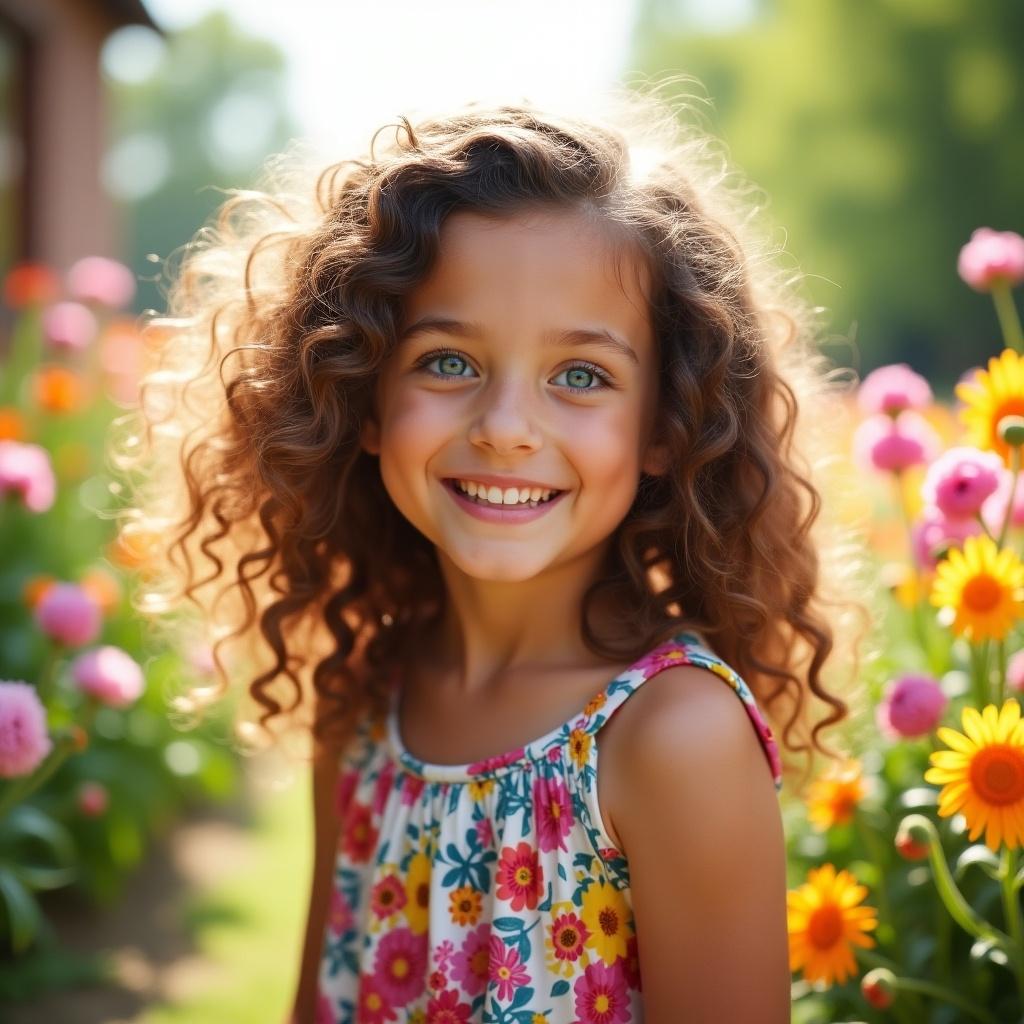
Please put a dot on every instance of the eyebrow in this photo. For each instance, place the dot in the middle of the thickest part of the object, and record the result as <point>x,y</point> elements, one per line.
<point>572,336</point>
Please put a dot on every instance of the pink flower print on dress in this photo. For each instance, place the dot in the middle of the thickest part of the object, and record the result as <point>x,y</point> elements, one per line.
<point>374,1006</point>
<point>498,761</point>
<point>553,812</point>
<point>661,656</point>
<point>505,969</point>
<point>484,832</point>
<point>339,914</point>
<point>470,964</point>
<point>412,786</point>
<point>388,896</point>
<point>443,953</point>
<point>401,965</point>
<point>519,876</point>
<point>324,1013</point>
<point>631,964</point>
<point>383,787</point>
<point>568,936</point>
<point>447,1008</point>
<point>601,995</point>
<point>358,833</point>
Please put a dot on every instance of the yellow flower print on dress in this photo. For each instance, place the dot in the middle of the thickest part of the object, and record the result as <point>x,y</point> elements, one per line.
<point>417,891</point>
<point>606,914</point>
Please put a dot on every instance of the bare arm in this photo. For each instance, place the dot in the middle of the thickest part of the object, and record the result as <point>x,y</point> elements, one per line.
<point>326,832</point>
<point>703,833</point>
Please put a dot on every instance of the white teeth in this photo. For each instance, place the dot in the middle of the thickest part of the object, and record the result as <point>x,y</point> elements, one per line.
<point>512,496</point>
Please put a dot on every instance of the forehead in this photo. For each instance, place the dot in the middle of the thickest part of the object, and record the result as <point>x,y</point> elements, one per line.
<point>540,267</point>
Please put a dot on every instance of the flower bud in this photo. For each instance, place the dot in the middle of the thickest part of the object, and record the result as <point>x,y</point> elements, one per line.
<point>878,987</point>
<point>1011,430</point>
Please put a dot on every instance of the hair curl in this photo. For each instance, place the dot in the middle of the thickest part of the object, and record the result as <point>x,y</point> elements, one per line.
<point>286,306</point>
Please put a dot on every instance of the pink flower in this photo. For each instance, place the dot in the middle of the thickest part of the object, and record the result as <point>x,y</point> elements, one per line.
<point>24,741</point>
<point>92,798</point>
<point>601,994</point>
<point>553,811</point>
<point>893,388</point>
<point>324,1013</point>
<point>933,529</point>
<point>69,326</point>
<point>991,259</point>
<point>109,674</point>
<point>400,969</point>
<point>505,970</point>
<point>960,479</point>
<point>913,705</point>
<point>993,512</point>
<point>101,280</point>
<point>895,444</point>
<point>1015,672</point>
<point>25,470</point>
<point>469,964</point>
<point>69,614</point>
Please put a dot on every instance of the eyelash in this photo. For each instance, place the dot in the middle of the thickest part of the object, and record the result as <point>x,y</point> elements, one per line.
<point>441,353</point>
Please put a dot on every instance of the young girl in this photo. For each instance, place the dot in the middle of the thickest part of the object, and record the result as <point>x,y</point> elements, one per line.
<point>496,427</point>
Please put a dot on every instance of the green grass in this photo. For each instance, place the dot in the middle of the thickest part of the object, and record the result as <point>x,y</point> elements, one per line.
<point>249,928</point>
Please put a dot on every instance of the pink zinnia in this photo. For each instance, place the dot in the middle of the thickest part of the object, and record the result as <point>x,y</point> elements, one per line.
<point>933,529</point>
<point>992,258</point>
<point>24,741</point>
<point>893,388</point>
<point>892,445</point>
<point>25,471</point>
<point>601,995</point>
<point>69,326</point>
<point>469,964</point>
<point>912,706</point>
<point>101,280</point>
<point>110,675</point>
<point>519,877</point>
<point>401,965</point>
<point>993,512</point>
<point>92,798</point>
<point>553,811</point>
<point>505,969</point>
<point>1015,672</point>
<point>448,1007</point>
<point>69,614</point>
<point>960,479</point>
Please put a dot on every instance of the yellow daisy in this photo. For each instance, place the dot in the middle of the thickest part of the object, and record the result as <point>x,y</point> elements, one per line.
<point>823,919</point>
<point>606,915</point>
<point>833,798</point>
<point>988,397</point>
<point>984,585</point>
<point>982,777</point>
<point>417,892</point>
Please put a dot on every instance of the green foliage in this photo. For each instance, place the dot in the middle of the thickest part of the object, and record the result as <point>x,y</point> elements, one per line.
<point>882,132</point>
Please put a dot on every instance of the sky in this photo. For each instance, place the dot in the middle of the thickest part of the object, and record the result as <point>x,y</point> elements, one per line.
<point>354,64</point>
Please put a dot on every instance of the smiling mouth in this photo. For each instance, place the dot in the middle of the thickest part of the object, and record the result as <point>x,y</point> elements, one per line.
<point>483,502</point>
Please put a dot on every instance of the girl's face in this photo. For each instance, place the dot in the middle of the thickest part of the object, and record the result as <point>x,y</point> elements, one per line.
<point>508,398</point>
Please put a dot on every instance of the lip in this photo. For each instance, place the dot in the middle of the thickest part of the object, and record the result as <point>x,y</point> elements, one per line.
<point>502,514</point>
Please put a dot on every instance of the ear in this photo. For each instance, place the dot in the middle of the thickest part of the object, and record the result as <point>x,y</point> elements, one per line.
<point>369,435</point>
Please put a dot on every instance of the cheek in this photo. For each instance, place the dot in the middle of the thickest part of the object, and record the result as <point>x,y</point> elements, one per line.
<point>606,450</point>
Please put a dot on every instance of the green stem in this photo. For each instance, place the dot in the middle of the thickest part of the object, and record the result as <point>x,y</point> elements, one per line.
<point>1011,907</point>
<point>1009,321</point>
<point>919,629</point>
<point>926,988</point>
<point>1015,469</point>
<point>868,838</point>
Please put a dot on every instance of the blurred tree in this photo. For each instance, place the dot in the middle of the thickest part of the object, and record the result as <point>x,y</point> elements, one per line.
<point>883,133</point>
<point>207,115</point>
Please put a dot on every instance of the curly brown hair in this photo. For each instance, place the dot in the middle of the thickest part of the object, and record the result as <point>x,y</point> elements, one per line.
<point>286,306</point>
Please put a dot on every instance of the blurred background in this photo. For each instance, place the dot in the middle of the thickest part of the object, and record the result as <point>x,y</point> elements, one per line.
<point>881,134</point>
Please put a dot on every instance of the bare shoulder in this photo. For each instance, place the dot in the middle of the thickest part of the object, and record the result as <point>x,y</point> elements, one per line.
<point>696,809</point>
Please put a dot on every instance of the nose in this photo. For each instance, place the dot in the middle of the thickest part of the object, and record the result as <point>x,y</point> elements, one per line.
<point>506,421</point>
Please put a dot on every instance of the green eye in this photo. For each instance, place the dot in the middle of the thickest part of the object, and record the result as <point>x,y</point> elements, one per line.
<point>446,357</point>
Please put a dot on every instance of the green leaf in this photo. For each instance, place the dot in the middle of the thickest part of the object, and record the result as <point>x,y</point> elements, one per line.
<point>23,913</point>
<point>26,822</point>
<point>41,876</point>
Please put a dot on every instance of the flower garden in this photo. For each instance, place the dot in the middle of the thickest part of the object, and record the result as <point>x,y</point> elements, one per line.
<point>904,902</point>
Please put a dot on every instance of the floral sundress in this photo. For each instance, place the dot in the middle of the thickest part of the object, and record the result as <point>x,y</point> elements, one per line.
<point>490,893</point>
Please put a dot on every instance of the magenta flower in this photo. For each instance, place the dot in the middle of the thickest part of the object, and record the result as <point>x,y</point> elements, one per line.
<point>108,674</point>
<point>401,965</point>
<point>912,706</point>
<point>553,810</point>
<point>893,388</point>
<point>992,259</point>
<point>24,740</point>
<point>25,470</point>
<point>602,996</point>
<point>960,479</point>
<point>933,529</point>
<point>92,798</point>
<point>69,326</point>
<point>895,444</point>
<point>469,964</point>
<point>1015,672</point>
<point>103,281</point>
<point>69,614</point>
<point>505,970</point>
